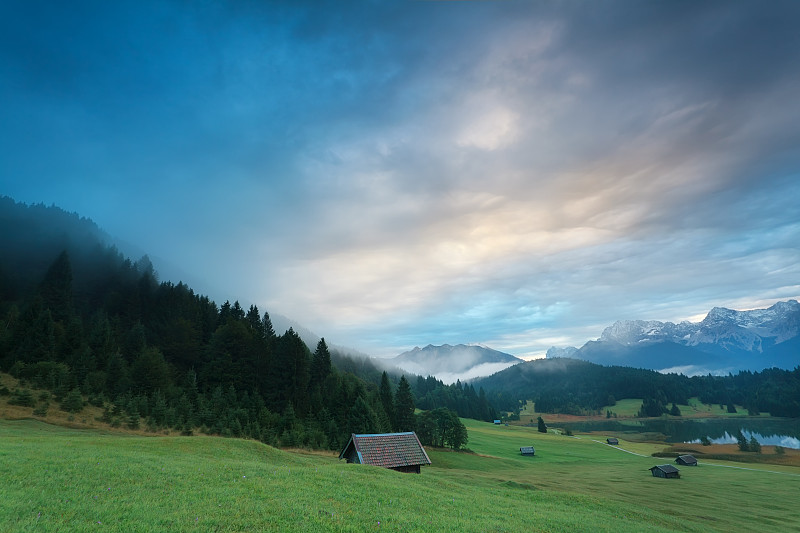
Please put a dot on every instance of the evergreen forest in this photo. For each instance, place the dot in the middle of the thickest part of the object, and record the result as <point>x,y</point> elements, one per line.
<point>83,321</point>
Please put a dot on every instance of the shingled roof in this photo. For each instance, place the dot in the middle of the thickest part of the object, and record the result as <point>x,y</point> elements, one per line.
<point>667,469</point>
<point>389,450</point>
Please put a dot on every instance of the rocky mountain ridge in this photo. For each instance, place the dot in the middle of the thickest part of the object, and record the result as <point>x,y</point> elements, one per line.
<point>724,340</point>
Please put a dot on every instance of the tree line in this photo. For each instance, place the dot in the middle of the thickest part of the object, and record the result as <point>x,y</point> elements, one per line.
<point>571,386</point>
<point>157,355</point>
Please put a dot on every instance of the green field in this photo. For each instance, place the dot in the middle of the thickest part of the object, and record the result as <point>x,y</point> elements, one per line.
<point>695,408</point>
<point>57,479</point>
<point>629,407</point>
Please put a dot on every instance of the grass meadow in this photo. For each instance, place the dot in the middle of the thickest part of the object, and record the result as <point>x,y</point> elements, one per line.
<point>629,407</point>
<point>717,495</point>
<point>61,479</point>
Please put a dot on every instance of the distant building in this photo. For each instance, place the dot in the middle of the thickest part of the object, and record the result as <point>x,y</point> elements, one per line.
<point>666,471</point>
<point>612,441</point>
<point>397,451</point>
<point>527,450</point>
<point>686,460</point>
<point>497,422</point>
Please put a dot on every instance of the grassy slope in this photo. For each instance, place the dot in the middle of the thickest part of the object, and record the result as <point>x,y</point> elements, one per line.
<point>55,478</point>
<point>629,407</point>
<point>706,497</point>
<point>77,480</point>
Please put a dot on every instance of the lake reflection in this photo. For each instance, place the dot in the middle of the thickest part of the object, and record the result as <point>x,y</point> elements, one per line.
<point>767,431</point>
<point>767,440</point>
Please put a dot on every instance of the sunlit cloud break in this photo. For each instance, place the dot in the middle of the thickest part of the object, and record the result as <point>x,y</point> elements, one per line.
<point>513,174</point>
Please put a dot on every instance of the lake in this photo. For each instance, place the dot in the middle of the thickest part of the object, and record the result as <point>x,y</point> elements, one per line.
<point>767,431</point>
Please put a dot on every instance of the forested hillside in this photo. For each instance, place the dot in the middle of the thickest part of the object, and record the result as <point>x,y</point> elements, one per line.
<point>82,321</point>
<point>563,385</point>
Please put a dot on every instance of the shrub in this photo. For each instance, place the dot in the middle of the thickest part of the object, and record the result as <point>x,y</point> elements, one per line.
<point>22,397</point>
<point>72,402</point>
<point>754,446</point>
<point>41,409</point>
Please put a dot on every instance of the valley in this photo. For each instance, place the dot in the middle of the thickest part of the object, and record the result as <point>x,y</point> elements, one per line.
<point>117,393</point>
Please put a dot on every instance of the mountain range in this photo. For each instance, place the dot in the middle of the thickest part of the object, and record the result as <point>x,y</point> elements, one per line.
<point>724,341</point>
<point>450,363</point>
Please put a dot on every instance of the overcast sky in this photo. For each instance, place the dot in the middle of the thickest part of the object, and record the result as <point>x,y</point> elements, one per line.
<point>396,174</point>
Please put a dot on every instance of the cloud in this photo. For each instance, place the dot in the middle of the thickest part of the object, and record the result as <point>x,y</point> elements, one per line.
<point>513,174</point>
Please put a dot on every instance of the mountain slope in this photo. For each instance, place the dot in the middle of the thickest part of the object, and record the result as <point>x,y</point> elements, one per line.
<point>449,363</point>
<point>724,341</point>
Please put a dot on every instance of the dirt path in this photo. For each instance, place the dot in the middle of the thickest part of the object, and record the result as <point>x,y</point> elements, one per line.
<point>699,463</point>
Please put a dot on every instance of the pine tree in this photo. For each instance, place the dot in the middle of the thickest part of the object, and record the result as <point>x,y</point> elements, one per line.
<point>403,407</point>
<point>73,402</point>
<point>269,331</point>
<point>289,374</point>
<point>158,412</point>
<point>361,418</point>
<point>254,321</point>
<point>56,288</point>
<point>320,363</point>
<point>41,409</point>
<point>542,426</point>
<point>133,418</point>
<point>742,441</point>
<point>385,394</point>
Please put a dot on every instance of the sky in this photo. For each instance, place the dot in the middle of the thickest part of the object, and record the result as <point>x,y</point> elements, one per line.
<point>401,173</point>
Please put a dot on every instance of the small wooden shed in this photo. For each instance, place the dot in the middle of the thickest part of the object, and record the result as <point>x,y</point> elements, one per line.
<point>397,451</point>
<point>665,471</point>
<point>496,422</point>
<point>613,441</point>
<point>527,450</point>
<point>686,460</point>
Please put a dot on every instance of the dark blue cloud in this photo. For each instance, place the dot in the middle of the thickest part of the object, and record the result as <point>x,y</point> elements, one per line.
<point>406,173</point>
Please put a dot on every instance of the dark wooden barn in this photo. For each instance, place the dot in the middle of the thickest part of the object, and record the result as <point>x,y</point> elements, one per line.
<point>398,451</point>
<point>612,441</point>
<point>665,471</point>
<point>686,460</point>
<point>527,450</point>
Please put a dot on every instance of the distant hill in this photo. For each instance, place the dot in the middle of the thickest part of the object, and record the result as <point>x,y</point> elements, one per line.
<point>450,363</point>
<point>573,386</point>
<point>724,341</point>
<point>32,236</point>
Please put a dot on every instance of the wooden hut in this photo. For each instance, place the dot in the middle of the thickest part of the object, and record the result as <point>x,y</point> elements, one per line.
<point>613,441</point>
<point>665,471</point>
<point>527,450</point>
<point>496,422</point>
<point>686,460</point>
<point>397,451</point>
